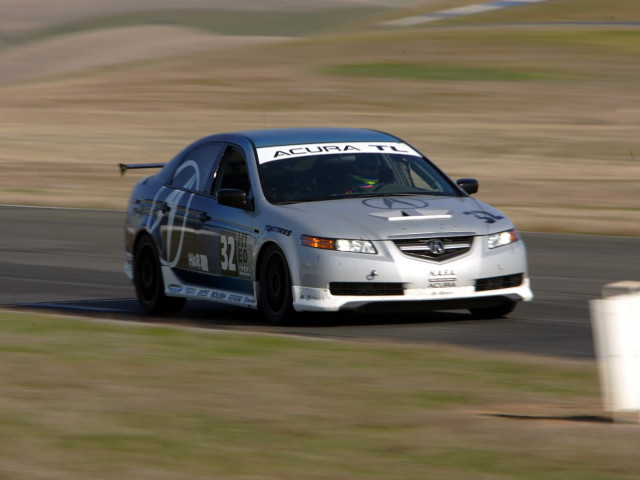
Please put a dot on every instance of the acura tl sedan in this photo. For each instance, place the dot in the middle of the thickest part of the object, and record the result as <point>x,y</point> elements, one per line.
<point>317,219</point>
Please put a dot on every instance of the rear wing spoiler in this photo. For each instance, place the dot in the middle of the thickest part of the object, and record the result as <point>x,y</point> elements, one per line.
<point>134,166</point>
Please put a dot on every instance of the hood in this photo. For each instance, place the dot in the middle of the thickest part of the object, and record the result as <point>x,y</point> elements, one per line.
<point>380,218</point>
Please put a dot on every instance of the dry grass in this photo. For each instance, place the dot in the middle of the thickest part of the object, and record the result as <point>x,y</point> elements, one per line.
<point>104,400</point>
<point>545,116</point>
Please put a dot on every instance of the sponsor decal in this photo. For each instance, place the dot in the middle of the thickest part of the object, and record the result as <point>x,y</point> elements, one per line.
<point>268,154</point>
<point>441,293</point>
<point>310,298</point>
<point>442,273</point>
<point>215,295</point>
<point>280,230</point>
<point>167,209</point>
<point>389,203</point>
<point>441,284</point>
<point>244,269</point>
<point>218,295</point>
<point>442,279</point>
<point>198,261</point>
<point>486,216</point>
<point>298,151</point>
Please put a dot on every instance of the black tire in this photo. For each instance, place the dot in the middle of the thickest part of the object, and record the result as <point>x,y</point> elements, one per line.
<point>275,297</point>
<point>494,311</point>
<point>147,278</point>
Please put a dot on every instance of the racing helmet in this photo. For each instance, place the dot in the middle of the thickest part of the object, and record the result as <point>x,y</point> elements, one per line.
<point>365,174</point>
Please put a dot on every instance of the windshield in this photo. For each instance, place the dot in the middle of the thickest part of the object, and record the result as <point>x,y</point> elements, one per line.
<point>325,177</point>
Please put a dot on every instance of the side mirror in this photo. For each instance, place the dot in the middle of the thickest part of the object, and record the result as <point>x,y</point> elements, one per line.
<point>232,197</point>
<point>469,185</point>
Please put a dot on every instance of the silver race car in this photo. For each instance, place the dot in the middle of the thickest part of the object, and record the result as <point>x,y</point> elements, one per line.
<point>317,219</point>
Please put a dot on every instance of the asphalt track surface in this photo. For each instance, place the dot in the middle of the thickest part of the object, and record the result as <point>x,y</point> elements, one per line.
<point>70,261</point>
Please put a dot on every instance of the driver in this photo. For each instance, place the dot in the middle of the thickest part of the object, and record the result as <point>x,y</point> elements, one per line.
<point>365,174</point>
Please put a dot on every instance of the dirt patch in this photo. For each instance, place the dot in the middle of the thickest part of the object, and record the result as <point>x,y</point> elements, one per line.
<point>24,15</point>
<point>81,51</point>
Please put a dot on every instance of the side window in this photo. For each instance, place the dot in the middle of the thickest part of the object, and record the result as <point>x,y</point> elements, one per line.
<point>422,175</point>
<point>232,172</point>
<point>196,169</point>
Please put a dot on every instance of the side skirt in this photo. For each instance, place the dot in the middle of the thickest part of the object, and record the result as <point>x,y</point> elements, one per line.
<point>175,288</point>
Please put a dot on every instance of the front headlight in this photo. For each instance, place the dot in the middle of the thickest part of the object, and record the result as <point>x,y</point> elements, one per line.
<point>340,244</point>
<point>503,238</point>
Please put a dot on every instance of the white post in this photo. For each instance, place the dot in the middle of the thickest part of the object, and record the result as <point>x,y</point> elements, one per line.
<point>616,333</point>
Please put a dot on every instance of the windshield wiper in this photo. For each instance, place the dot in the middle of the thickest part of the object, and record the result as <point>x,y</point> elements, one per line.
<point>301,200</point>
<point>402,194</point>
<point>342,196</point>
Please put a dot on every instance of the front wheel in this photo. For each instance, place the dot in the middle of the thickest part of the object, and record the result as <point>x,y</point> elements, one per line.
<point>147,278</point>
<point>496,311</point>
<point>275,297</point>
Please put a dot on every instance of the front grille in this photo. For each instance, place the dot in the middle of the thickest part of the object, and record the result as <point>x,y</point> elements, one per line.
<point>437,249</point>
<point>496,283</point>
<point>365,289</point>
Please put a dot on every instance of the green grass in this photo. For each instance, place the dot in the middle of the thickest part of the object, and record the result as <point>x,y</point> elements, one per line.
<point>509,55</point>
<point>595,40</point>
<point>434,72</point>
<point>107,400</point>
<point>526,42</point>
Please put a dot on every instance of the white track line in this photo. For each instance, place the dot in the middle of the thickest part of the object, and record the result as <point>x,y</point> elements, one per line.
<point>457,12</point>
<point>44,207</point>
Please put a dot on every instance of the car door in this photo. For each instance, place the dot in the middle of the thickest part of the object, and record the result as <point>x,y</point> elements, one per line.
<point>224,238</point>
<point>192,178</point>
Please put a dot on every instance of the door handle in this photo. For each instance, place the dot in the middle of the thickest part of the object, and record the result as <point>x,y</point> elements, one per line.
<point>163,206</point>
<point>203,217</point>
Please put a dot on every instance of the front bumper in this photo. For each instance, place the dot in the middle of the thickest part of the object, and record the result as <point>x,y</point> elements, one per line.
<point>316,299</point>
<point>480,276</point>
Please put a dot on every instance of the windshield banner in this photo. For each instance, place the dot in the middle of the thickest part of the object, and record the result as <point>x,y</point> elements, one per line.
<point>268,154</point>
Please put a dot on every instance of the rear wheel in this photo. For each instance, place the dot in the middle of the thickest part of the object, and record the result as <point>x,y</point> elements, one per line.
<point>147,278</point>
<point>275,298</point>
<point>495,311</point>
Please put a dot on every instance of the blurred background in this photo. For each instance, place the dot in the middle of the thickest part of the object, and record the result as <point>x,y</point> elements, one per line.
<point>539,101</point>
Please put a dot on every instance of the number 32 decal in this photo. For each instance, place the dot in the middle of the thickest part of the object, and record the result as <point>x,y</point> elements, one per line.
<point>234,254</point>
<point>228,254</point>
